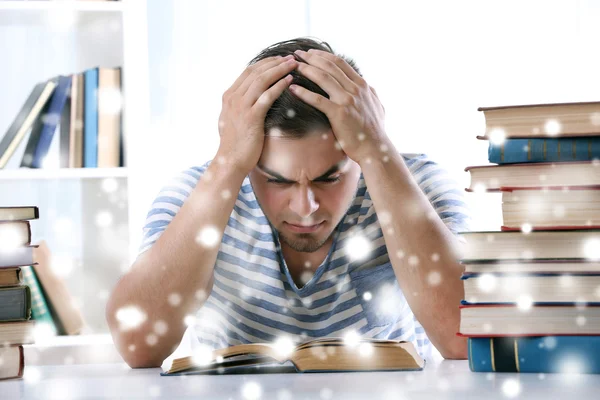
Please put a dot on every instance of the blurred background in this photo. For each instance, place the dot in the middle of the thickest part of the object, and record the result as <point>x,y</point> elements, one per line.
<point>433,63</point>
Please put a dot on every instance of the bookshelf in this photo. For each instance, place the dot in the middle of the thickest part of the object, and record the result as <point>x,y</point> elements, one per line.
<point>84,212</point>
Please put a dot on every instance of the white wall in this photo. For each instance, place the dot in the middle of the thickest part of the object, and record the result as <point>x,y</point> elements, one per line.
<point>432,63</point>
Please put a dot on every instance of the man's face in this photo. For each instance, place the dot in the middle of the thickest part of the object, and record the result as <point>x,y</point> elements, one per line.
<point>304,182</point>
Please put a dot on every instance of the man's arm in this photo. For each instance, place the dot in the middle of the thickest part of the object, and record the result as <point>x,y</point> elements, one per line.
<point>423,251</point>
<point>173,278</point>
<point>161,288</point>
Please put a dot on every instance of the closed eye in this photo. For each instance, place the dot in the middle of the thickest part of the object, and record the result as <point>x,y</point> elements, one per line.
<point>324,180</point>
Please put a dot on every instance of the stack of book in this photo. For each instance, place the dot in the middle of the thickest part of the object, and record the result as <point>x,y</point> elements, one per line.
<point>16,252</point>
<point>80,114</point>
<point>532,289</point>
<point>34,302</point>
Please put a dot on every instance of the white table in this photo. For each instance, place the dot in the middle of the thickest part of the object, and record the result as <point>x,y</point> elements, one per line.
<point>445,380</point>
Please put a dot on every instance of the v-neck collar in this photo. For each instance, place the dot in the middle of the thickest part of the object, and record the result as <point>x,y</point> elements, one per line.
<point>306,289</point>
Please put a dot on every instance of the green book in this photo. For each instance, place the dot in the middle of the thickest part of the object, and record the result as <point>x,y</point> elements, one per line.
<point>39,307</point>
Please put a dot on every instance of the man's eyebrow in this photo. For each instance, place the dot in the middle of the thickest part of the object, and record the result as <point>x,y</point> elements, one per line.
<point>337,167</point>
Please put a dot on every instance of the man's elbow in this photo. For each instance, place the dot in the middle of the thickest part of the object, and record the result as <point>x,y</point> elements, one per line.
<point>455,350</point>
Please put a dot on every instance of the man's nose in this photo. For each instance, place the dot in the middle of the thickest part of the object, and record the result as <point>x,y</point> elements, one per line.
<point>303,202</point>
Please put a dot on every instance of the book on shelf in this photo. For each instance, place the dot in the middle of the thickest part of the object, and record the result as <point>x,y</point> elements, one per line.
<point>555,207</point>
<point>79,115</point>
<point>512,151</point>
<point>67,318</point>
<point>30,111</point>
<point>75,140</point>
<point>541,354</point>
<point>51,121</point>
<point>320,355</point>
<point>543,120</point>
<point>109,117</point>
<point>40,310</point>
<point>13,362</point>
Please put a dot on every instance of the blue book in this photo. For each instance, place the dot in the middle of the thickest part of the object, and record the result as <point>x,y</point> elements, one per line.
<point>544,150</point>
<point>90,118</point>
<point>537,354</point>
<point>51,120</point>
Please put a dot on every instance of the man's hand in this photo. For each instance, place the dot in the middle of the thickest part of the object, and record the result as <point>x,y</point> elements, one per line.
<point>245,106</point>
<point>353,108</point>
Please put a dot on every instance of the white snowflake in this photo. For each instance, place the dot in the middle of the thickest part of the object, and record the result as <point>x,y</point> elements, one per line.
<point>284,346</point>
<point>358,248</point>
<point>526,228</point>
<point>552,127</point>
<point>174,299</point>
<point>151,339</point>
<point>251,391</point>
<point>365,349</point>
<point>486,283</point>
<point>326,394</point>
<point>367,296</point>
<point>434,278</point>
<point>161,327</point>
<point>497,136</point>
<point>511,388</point>
<point>209,236</point>
<point>104,219</point>
<point>109,185</point>
<point>524,302</point>
<point>591,249</point>
<point>130,317</point>
<point>351,339</point>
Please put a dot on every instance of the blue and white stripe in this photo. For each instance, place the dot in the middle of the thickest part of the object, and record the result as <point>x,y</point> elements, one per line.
<point>254,298</point>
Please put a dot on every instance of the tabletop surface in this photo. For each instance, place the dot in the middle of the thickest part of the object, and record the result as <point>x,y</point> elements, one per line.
<point>447,379</point>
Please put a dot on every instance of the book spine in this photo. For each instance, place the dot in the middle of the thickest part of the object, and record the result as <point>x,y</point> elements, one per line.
<point>541,354</point>
<point>544,150</point>
<point>39,306</point>
<point>90,119</point>
<point>57,103</point>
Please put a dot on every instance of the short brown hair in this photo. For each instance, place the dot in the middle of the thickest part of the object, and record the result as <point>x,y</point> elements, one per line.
<point>289,114</point>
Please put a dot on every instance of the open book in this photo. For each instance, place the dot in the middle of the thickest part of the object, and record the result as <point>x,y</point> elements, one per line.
<point>320,355</point>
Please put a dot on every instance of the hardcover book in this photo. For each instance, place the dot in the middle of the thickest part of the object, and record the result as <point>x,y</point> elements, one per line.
<point>320,355</point>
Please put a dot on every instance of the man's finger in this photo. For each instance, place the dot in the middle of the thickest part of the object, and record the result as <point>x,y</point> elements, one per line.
<point>266,100</point>
<point>325,81</point>
<point>319,102</point>
<point>249,70</point>
<point>263,81</point>
<point>342,64</point>
<point>327,65</point>
<point>243,88</point>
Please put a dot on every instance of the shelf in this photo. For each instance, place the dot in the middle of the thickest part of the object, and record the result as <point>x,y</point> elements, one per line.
<point>52,5</point>
<point>62,173</point>
<point>59,15</point>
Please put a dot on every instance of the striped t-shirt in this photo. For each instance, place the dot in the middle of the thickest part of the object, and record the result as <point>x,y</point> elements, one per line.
<point>254,298</point>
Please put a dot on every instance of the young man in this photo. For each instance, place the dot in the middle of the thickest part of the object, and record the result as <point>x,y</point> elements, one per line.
<point>307,223</point>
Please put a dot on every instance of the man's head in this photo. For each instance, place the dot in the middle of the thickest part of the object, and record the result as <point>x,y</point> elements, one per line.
<point>302,177</point>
